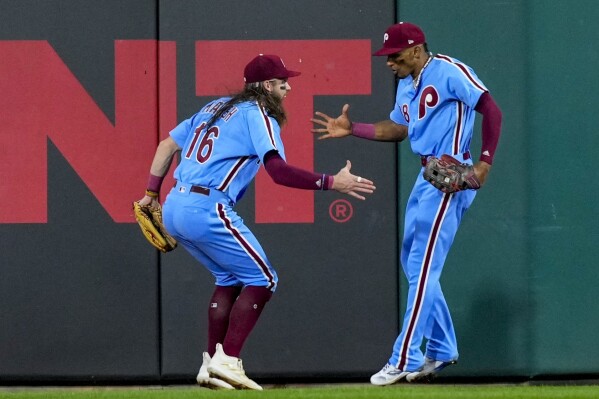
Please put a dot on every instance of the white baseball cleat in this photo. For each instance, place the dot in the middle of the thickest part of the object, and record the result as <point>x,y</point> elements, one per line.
<point>205,380</point>
<point>388,375</point>
<point>429,370</point>
<point>230,369</point>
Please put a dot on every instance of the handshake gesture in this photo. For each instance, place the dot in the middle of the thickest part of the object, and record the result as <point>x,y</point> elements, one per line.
<point>347,183</point>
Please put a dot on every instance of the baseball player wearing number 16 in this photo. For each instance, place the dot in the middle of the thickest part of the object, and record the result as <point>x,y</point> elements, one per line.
<point>435,106</point>
<point>222,148</point>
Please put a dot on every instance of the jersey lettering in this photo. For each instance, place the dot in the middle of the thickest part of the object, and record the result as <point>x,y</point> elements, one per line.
<point>196,135</point>
<point>229,113</point>
<point>406,112</point>
<point>428,99</point>
<point>212,107</point>
<point>206,144</point>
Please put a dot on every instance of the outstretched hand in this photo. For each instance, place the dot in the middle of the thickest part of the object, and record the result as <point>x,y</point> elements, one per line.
<point>350,184</point>
<point>333,127</point>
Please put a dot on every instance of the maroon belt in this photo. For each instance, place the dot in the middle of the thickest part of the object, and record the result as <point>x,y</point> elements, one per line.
<point>424,159</point>
<point>197,189</point>
<point>200,190</point>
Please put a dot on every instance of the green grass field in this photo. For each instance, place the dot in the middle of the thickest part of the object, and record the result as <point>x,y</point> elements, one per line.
<point>315,392</point>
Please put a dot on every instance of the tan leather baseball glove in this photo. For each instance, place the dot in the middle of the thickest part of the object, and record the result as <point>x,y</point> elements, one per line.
<point>149,219</point>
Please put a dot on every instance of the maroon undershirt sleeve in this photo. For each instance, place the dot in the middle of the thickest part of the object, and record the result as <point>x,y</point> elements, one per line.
<point>491,126</point>
<point>287,175</point>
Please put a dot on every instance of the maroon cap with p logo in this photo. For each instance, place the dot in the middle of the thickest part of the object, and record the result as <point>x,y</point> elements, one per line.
<point>399,37</point>
<point>265,67</point>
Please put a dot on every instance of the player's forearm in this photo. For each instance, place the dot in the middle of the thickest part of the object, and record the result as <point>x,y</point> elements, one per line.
<point>390,131</point>
<point>290,176</point>
<point>380,131</point>
<point>491,126</point>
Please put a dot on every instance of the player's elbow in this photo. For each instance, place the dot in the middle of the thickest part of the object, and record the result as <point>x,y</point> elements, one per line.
<point>496,114</point>
<point>168,145</point>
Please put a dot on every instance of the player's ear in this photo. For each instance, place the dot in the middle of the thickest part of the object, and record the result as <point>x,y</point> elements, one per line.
<point>267,86</point>
<point>418,51</point>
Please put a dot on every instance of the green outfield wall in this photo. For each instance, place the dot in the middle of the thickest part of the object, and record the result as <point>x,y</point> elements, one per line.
<point>88,88</point>
<point>521,278</point>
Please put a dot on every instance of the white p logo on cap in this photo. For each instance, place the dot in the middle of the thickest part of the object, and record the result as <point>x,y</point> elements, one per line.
<point>385,37</point>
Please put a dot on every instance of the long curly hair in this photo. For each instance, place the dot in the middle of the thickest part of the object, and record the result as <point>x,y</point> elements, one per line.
<point>254,92</point>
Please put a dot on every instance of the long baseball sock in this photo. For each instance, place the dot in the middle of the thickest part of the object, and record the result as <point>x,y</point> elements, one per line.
<point>244,315</point>
<point>219,311</point>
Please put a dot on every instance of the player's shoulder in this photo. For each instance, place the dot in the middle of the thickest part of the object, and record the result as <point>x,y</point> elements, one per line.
<point>248,110</point>
<point>447,58</point>
<point>249,105</point>
<point>450,63</point>
<point>253,108</point>
<point>453,67</point>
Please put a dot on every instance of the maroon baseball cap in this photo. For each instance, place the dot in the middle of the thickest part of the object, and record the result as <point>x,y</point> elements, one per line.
<point>399,37</point>
<point>265,67</point>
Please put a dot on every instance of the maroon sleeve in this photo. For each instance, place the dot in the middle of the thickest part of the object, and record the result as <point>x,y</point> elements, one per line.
<point>491,126</point>
<point>286,175</point>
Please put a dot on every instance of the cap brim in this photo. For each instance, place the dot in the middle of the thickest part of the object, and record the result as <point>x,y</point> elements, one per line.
<point>291,74</point>
<point>387,51</point>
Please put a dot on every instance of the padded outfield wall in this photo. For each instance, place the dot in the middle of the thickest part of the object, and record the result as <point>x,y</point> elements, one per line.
<point>87,89</point>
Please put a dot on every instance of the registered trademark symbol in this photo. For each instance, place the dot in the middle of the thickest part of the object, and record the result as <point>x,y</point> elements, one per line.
<point>341,210</point>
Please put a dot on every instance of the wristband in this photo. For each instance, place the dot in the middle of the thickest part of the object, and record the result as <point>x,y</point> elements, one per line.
<point>363,130</point>
<point>329,182</point>
<point>154,183</point>
<point>486,158</point>
<point>152,194</point>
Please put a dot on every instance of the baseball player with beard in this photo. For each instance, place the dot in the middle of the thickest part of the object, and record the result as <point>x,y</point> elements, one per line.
<point>222,148</point>
<point>435,106</point>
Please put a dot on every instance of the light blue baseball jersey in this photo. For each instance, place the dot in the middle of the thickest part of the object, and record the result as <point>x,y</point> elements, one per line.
<point>227,156</point>
<point>223,158</point>
<point>440,112</point>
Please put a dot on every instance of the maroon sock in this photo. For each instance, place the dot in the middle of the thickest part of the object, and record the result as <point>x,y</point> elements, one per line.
<point>244,315</point>
<point>219,311</point>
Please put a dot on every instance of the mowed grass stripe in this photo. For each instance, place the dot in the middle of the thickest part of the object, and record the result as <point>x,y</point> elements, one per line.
<point>316,392</point>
